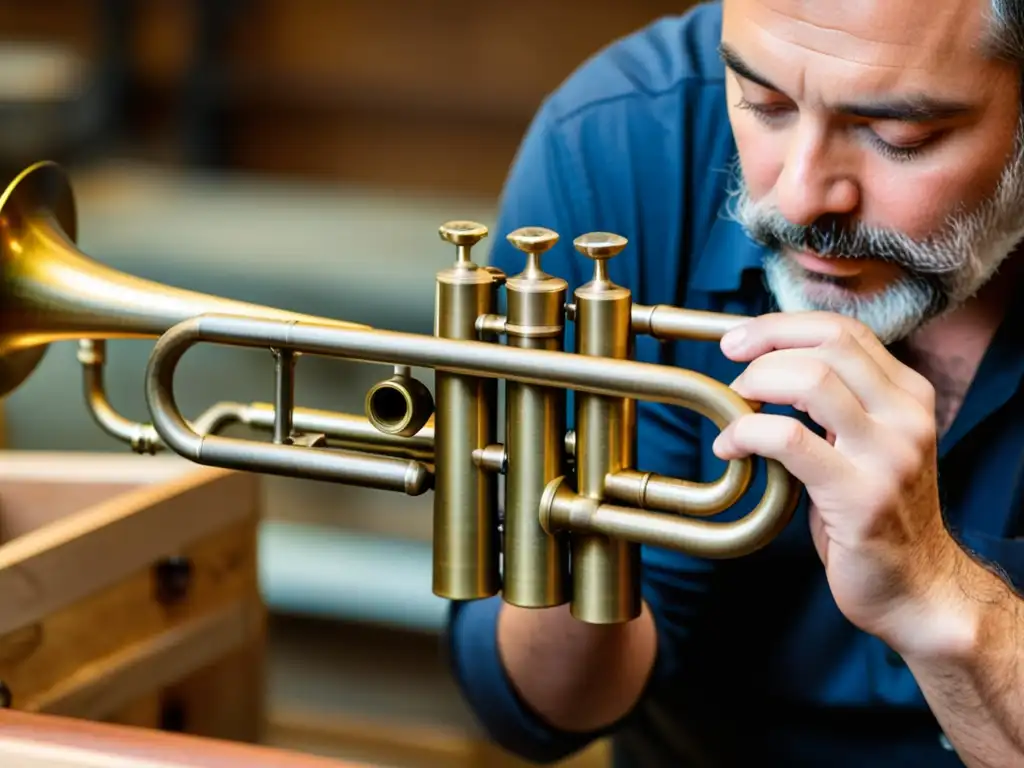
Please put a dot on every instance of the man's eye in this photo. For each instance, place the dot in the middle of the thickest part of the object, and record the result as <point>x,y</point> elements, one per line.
<point>901,135</point>
<point>763,112</point>
<point>897,152</point>
<point>899,141</point>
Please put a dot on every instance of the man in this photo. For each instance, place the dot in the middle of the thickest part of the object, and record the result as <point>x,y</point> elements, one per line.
<point>850,174</point>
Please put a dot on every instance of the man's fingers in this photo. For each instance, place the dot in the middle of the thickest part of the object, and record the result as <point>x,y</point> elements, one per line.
<point>804,380</point>
<point>809,458</point>
<point>840,336</point>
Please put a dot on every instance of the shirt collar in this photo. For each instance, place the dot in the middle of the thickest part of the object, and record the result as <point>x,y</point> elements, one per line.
<point>997,380</point>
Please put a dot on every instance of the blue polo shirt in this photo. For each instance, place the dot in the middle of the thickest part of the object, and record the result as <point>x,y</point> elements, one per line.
<point>755,665</point>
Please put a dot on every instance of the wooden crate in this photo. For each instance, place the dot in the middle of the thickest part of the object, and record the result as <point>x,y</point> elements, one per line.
<point>129,592</point>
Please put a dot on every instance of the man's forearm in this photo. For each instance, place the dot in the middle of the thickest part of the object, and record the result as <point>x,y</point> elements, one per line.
<point>971,669</point>
<point>576,676</point>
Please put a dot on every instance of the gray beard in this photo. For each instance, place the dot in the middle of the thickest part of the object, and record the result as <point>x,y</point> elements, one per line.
<point>940,272</point>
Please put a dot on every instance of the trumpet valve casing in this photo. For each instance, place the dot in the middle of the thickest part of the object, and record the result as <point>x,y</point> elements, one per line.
<point>536,562</point>
<point>606,571</point>
<point>465,531</point>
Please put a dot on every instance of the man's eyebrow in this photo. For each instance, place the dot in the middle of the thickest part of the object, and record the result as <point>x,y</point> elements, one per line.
<point>736,63</point>
<point>919,108</point>
<point>909,109</point>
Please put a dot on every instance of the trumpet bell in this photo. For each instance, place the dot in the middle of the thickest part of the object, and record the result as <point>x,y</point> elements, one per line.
<point>40,191</point>
<point>16,367</point>
<point>51,291</point>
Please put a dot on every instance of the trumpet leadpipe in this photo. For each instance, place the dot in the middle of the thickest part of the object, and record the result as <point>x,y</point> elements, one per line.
<point>667,323</point>
<point>536,562</point>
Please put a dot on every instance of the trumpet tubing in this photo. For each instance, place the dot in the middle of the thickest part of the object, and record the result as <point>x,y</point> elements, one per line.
<point>576,508</point>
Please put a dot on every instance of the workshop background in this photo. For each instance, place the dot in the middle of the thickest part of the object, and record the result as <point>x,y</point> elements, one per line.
<point>301,154</point>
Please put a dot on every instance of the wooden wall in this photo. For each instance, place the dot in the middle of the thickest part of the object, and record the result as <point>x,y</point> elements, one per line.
<point>411,93</point>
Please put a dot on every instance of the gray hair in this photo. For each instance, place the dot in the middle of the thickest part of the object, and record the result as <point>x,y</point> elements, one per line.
<point>1005,37</point>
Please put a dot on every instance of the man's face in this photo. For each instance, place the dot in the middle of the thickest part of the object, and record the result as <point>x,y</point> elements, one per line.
<point>879,152</point>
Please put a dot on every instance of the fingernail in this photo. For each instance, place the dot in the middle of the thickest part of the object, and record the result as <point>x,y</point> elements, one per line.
<point>733,339</point>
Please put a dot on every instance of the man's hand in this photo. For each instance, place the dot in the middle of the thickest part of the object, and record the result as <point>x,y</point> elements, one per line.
<point>893,568</point>
<point>872,481</point>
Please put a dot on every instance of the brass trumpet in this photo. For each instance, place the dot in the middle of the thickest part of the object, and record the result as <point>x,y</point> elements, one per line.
<point>568,537</point>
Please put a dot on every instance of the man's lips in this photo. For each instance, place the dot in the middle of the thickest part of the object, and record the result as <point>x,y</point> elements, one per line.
<point>832,266</point>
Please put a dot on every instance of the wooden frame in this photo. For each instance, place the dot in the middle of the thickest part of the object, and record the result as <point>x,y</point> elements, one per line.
<point>45,741</point>
<point>129,590</point>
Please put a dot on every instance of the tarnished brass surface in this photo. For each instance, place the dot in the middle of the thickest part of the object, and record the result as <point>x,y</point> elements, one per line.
<point>409,441</point>
<point>466,565</point>
<point>668,323</point>
<point>16,367</point>
<point>341,430</point>
<point>399,406</point>
<point>606,571</point>
<point>536,563</point>
<point>49,291</point>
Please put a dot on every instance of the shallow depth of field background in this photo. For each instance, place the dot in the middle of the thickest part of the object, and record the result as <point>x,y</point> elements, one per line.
<point>298,153</point>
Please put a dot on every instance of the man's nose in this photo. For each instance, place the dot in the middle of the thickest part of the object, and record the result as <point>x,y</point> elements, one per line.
<point>815,181</point>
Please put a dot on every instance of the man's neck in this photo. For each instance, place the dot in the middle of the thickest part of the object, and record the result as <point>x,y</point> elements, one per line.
<point>949,350</point>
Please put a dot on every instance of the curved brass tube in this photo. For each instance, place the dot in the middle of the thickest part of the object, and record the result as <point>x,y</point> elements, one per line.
<point>613,378</point>
<point>647,490</point>
<point>141,437</point>
<point>668,494</point>
<point>562,509</point>
<point>342,430</point>
<point>219,417</point>
<point>380,472</point>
